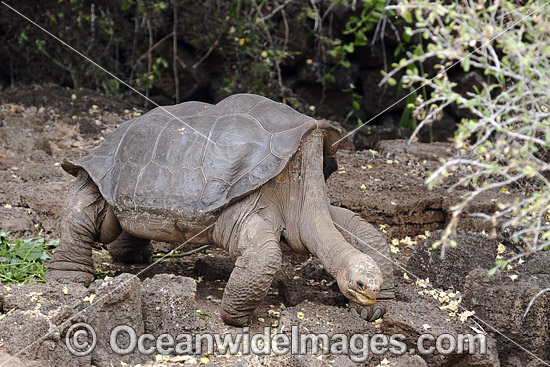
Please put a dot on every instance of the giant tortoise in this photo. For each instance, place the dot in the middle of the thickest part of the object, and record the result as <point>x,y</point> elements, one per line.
<point>243,174</point>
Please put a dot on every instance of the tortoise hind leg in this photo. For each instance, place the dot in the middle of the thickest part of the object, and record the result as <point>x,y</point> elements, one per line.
<point>254,271</point>
<point>130,249</point>
<point>364,237</point>
<point>86,217</point>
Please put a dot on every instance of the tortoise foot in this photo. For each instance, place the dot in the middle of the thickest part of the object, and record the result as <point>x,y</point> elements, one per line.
<point>239,319</point>
<point>141,256</point>
<point>131,250</point>
<point>70,276</point>
<point>368,313</point>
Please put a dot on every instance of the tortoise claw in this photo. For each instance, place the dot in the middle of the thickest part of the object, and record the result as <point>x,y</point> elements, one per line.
<point>368,313</point>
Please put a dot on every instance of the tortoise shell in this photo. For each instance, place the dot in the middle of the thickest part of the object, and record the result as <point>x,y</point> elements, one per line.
<point>162,162</point>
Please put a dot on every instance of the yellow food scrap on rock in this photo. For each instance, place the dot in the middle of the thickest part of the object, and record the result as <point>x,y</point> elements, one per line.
<point>89,298</point>
<point>408,241</point>
<point>464,315</point>
<point>423,282</point>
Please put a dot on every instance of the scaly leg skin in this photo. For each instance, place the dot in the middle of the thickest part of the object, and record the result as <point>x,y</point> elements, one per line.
<point>364,237</point>
<point>130,249</point>
<point>255,268</point>
<point>82,223</point>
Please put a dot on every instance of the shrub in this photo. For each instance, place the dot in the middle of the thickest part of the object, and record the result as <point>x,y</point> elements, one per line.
<point>505,134</point>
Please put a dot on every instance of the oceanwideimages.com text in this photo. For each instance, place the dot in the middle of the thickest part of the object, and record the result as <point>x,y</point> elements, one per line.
<point>81,340</point>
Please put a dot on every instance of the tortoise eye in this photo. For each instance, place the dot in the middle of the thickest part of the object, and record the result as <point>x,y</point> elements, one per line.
<point>360,284</point>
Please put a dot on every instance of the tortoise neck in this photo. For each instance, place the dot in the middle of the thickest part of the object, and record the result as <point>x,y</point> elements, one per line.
<point>307,217</point>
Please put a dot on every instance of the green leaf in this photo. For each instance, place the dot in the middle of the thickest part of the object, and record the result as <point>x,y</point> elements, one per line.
<point>360,39</point>
<point>334,53</point>
<point>407,35</point>
<point>466,65</point>
<point>40,44</point>
<point>501,263</point>
<point>350,113</point>
<point>29,250</point>
<point>398,49</point>
<point>356,105</point>
<point>407,15</point>
<point>392,81</point>
<point>349,48</point>
<point>345,63</point>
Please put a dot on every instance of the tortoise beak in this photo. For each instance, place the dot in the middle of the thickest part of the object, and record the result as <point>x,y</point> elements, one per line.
<point>361,298</point>
<point>369,290</point>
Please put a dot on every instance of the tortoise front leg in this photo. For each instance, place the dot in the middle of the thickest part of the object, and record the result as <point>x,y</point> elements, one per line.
<point>364,237</point>
<point>86,218</point>
<point>259,261</point>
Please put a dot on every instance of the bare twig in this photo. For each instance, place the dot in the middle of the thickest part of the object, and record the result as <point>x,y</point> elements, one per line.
<point>171,254</point>
<point>318,25</point>
<point>106,15</point>
<point>92,29</point>
<point>327,12</point>
<point>276,60</point>
<point>182,64</point>
<point>275,11</point>
<point>149,60</point>
<point>146,54</point>
<point>175,51</point>
<point>287,30</point>
<point>198,63</point>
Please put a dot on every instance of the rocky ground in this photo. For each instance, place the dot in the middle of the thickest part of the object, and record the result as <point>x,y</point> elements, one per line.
<point>42,125</point>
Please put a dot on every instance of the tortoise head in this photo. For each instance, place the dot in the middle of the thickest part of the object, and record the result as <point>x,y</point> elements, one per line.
<point>360,279</point>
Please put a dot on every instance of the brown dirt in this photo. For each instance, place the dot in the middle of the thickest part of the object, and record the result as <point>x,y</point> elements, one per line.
<point>38,131</point>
